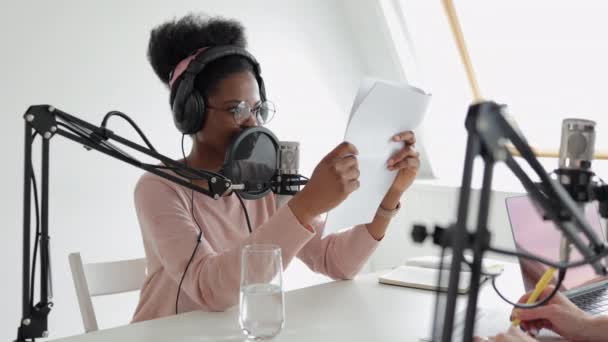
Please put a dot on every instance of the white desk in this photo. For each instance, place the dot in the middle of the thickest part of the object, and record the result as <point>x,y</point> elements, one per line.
<point>358,310</point>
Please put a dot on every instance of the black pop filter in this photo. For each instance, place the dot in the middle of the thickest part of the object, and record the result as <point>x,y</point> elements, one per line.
<point>251,160</point>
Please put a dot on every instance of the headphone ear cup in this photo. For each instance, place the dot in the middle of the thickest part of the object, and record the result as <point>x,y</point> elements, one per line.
<point>262,87</point>
<point>194,113</point>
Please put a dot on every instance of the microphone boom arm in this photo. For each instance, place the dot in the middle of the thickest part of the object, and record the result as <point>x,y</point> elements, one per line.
<point>489,135</point>
<point>553,198</point>
<point>47,121</point>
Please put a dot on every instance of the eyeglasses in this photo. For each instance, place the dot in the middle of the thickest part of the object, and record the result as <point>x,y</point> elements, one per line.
<point>263,112</point>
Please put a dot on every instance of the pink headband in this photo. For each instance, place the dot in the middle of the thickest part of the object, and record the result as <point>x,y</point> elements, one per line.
<point>183,65</point>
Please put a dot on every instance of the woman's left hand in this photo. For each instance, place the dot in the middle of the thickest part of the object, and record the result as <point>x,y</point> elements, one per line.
<point>406,160</point>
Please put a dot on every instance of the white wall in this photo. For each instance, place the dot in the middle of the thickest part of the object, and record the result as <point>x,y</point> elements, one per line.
<point>89,57</point>
<point>431,205</point>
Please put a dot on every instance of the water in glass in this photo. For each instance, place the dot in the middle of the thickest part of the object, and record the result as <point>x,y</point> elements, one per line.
<point>261,310</point>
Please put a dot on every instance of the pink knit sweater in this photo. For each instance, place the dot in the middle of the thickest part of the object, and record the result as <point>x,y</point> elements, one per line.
<point>212,281</point>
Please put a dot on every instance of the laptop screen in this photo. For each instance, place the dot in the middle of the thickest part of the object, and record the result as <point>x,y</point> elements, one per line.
<point>542,237</point>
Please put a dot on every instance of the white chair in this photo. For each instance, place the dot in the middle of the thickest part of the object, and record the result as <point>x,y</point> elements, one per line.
<point>98,279</point>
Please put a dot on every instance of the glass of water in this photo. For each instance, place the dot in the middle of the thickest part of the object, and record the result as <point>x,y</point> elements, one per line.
<point>262,312</point>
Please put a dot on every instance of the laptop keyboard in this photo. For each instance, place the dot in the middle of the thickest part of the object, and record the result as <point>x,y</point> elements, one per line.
<point>594,302</point>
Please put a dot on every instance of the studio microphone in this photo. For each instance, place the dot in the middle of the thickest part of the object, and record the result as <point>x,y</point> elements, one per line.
<point>287,181</point>
<point>257,163</point>
<point>576,149</point>
<point>575,156</point>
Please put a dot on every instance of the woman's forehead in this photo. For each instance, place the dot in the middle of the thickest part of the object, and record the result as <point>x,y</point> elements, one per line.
<point>237,87</point>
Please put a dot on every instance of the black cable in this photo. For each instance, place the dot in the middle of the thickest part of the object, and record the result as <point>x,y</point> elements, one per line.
<point>200,230</point>
<point>179,287</point>
<point>560,279</point>
<point>79,131</point>
<point>37,238</point>
<point>73,130</point>
<point>82,133</point>
<point>131,122</point>
<point>244,209</point>
<point>109,147</point>
<point>186,174</point>
<point>561,267</point>
<point>198,239</point>
<point>561,276</point>
<point>557,265</point>
<point>84,136</point>
<point>176,170</point>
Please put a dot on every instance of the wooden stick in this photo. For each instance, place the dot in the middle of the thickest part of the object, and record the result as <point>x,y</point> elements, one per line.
<point>462,48</point>
<point>601,155</point>
<point>448,5</point>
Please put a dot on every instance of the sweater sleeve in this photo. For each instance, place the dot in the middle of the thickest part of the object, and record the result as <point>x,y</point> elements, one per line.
<point>340,255</point>
<point>213,277</point>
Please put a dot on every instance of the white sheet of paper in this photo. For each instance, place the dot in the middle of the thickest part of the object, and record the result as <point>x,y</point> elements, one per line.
<point>380,110</point>
<point>366,86</point>
<point>489,321</point>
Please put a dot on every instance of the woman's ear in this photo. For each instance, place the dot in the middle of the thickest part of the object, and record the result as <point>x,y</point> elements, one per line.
<point>198,136</point>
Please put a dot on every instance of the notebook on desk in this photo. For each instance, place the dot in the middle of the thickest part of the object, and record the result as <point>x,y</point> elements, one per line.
<point>424,278</point>
<point>489,266</point>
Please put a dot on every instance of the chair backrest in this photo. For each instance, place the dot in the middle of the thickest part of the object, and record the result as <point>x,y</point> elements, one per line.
<point>98,279</point>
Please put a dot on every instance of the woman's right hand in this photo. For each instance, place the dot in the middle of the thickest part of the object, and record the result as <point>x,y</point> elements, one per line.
<point>333,179</point>
<point>561,316</point>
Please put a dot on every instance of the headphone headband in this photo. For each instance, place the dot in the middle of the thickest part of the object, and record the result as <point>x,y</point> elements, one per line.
<point>188,105</point>
<point>183,65</point>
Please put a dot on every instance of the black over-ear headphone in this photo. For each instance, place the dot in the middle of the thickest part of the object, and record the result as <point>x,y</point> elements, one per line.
<point>188,104</point>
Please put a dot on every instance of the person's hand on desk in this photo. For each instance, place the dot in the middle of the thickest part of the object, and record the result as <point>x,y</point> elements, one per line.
<point>559,315</point>
<point>563,317</point>
<point>532,271</point>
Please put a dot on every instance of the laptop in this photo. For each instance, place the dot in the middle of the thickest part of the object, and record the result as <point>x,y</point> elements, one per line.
<point>540,237</point>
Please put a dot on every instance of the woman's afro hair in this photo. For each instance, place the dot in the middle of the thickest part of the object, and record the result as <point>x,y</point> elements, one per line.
<point>174,40</point>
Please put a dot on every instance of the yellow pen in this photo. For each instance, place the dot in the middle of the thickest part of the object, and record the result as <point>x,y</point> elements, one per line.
<point>540,287</point>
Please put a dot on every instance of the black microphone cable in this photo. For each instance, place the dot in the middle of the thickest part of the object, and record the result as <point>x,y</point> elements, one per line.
<point>37,235</point>
<point>198,238</point>
<point>37,238</point>
<point>104,123</point>
<point>200,230</point>
<point>245,210</point>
